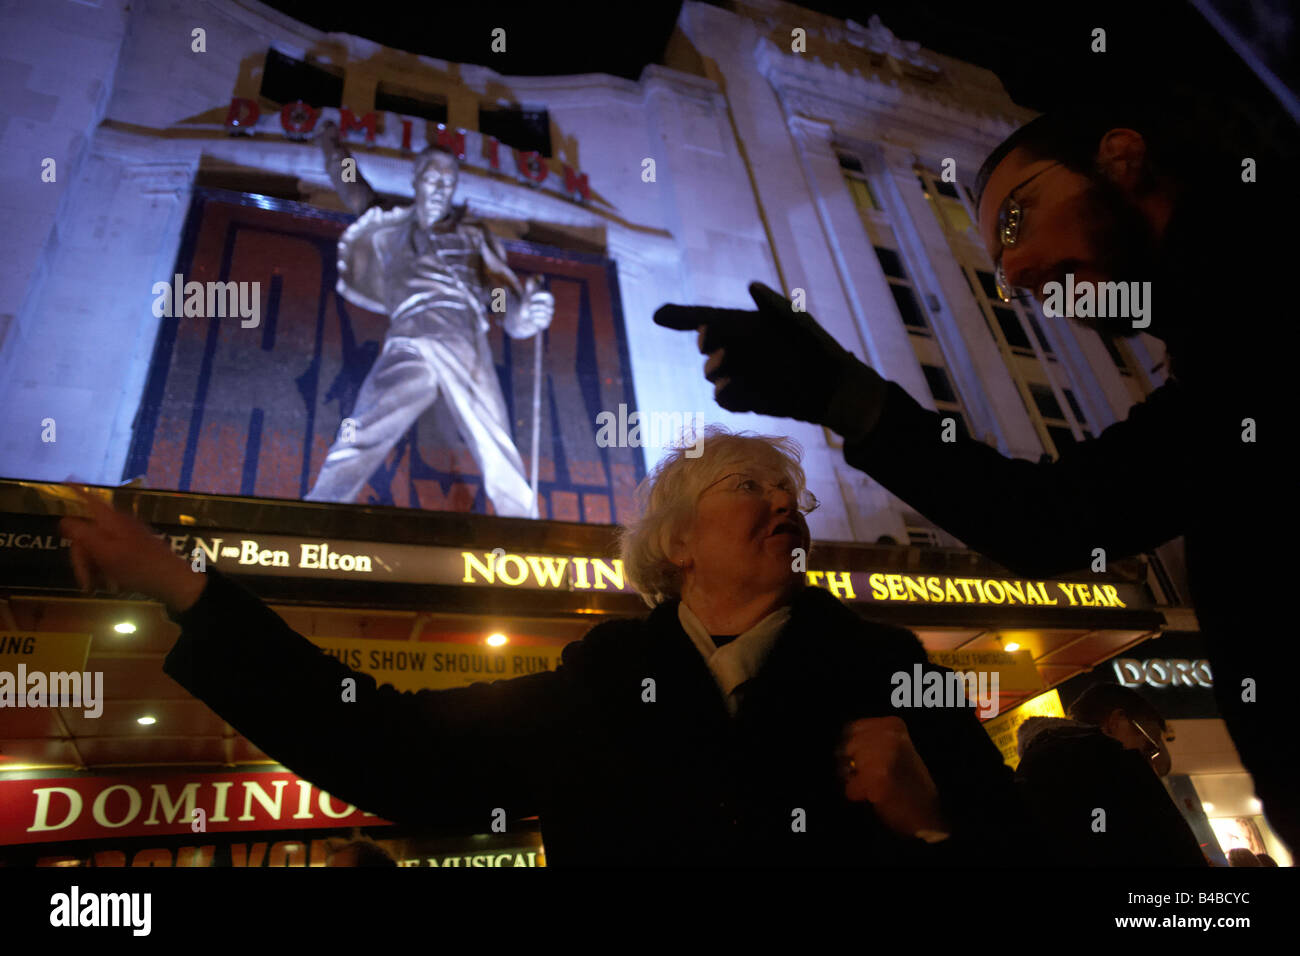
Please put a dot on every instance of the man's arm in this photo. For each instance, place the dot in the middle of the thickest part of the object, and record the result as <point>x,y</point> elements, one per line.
<point>352,188</point>
<point>437,757</point>
<point>984,811</point>
<point>1126,491</point>
<point>978,806</point>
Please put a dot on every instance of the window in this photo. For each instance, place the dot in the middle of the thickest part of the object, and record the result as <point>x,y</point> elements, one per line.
<point>908,307</point>
<point>1017,328</point>
<point>1038,331</point>
<point>890,262</point>
<point>946,203</point>
<point>911,298</point>
<point>392,98</point>
<point>523,129</point>
<point>862,194</point>
<point>286,80</point>
<point>940,387</point>
<point>1047,404</point>
<point>1116,355</point>
<point>1074,406</point>
<point>1011,328</point>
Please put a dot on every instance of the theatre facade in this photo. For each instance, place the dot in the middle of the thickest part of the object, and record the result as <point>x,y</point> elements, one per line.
<point>180,321</point>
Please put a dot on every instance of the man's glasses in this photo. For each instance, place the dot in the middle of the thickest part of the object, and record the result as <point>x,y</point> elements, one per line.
<point>746,484</point>
<point>1010,218</point>
<point>1156,748</point>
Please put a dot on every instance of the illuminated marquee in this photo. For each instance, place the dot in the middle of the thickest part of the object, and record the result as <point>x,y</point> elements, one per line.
<point>910,589</point>
<point>592,573</point>
<point>546,571</point>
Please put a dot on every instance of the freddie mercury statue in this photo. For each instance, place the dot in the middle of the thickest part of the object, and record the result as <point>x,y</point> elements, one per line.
<point>433,272</point>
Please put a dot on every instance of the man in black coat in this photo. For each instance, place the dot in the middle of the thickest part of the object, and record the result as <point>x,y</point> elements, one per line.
<point>1093,784</point>
<point>1114,190</point>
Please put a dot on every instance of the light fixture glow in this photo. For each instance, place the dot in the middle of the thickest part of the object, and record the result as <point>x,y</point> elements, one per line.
<point>1207,806</point>
<point>497,640</point>
<point>1013,646</point>
<point>1255,805</point>
<point>124,627</point>
<point>146,720</point>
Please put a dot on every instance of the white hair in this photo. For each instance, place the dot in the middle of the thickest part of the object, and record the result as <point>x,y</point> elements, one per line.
<point>667,497</point>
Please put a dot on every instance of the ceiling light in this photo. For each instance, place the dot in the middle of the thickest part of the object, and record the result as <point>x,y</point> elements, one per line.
<point>124,627</point>
<point>146,720</point>
<point>497,640</point>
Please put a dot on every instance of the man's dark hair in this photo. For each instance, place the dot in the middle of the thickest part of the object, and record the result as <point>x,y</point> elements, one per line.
<point>1189,135</point>
<point>1098,702</point>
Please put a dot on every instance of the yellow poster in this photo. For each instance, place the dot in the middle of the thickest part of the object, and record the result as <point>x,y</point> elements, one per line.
<point>434,665</point>
<point>1004,727</point>
<point>48,652</point>
<point>1015,669</point>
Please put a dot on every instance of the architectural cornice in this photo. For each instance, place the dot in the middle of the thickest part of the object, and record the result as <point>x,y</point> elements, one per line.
<point>882,89</point>
<point>686,85</point>
<point>812,130</point>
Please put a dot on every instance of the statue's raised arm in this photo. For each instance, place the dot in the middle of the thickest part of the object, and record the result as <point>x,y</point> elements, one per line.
<point>348,182</point>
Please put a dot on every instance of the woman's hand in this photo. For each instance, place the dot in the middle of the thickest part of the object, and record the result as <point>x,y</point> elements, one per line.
<point>114,548</point>
<point>882,767</point>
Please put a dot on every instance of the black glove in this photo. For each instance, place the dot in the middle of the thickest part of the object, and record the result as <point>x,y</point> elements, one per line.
<point>779,361</point>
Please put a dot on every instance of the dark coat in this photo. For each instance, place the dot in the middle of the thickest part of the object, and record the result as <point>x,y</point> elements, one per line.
<point>1177,465</point>
<point>1068,771</point>
<point>615,780</point>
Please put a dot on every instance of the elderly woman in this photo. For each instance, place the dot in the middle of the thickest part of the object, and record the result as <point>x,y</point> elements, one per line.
<point>745,720</point>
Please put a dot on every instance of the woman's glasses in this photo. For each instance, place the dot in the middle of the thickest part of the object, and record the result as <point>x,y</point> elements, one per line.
<point>747,484</point>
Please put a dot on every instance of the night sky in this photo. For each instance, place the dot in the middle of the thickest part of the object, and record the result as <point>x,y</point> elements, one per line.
<point>1040,50</point>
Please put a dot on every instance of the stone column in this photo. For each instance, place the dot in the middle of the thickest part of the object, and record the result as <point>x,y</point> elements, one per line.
<point>973,358</point>
<point>86,355</point>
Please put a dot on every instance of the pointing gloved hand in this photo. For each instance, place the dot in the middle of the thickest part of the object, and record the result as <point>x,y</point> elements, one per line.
<point>779,361</point>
